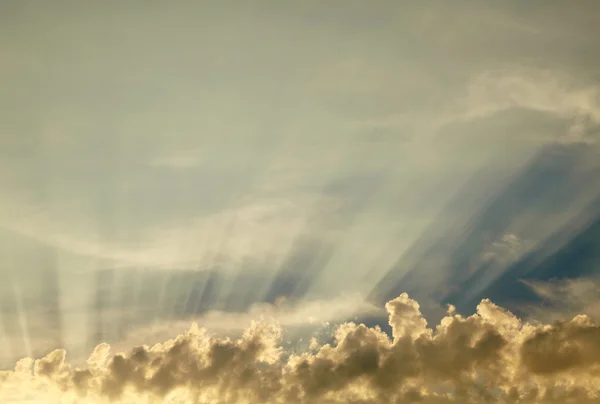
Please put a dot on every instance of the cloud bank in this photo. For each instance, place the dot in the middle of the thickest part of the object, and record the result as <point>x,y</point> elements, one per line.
<point>488,357</point>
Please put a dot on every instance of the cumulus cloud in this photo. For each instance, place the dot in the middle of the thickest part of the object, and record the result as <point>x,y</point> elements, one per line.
<point>489,357</point>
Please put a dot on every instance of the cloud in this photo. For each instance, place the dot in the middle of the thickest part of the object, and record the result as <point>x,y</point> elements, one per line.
<point>541,90</point>
<point>553,92</point>
<point>506,250</point>
<point>488,357</point>
<point>253,229</point>
<point>565,298</point>
<point>293,316</point>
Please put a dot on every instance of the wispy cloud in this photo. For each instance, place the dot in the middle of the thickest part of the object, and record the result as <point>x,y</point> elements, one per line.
<point>258,230</point>
<point>548,91</point>
<point>300,318</point>
<point>563,298</point>
<point>506,250</point>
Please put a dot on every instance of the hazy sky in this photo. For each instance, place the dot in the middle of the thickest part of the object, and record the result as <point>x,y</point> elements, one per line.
<point>162,161</point>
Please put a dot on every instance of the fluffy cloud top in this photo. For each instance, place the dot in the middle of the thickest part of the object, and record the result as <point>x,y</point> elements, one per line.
<point>489,357</point>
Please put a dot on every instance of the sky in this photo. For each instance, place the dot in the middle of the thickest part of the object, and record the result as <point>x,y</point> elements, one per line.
<point>300,202</point>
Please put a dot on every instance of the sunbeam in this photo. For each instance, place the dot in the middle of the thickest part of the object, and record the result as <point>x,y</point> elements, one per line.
<point>281,174</point>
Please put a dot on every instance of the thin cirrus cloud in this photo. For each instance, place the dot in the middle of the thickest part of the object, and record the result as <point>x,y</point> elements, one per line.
<point>191,245</point>
<point>564,297</point>
<point>546,91</point>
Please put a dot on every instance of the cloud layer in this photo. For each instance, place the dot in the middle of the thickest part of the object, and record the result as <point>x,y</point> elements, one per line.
<point>488,357</point>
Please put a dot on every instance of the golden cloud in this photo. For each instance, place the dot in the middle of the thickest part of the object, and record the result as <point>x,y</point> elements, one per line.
<point>488,357</point>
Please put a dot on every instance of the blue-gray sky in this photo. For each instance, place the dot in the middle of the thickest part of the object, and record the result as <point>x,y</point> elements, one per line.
<point>160,160</point>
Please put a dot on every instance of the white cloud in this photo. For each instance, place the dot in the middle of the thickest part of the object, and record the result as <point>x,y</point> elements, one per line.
<point>548,91</point>
<point>542,90</point>
<point>508,249</point>
<point>300,317</point>
<point>258,230</point>
<point>563,298</point>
